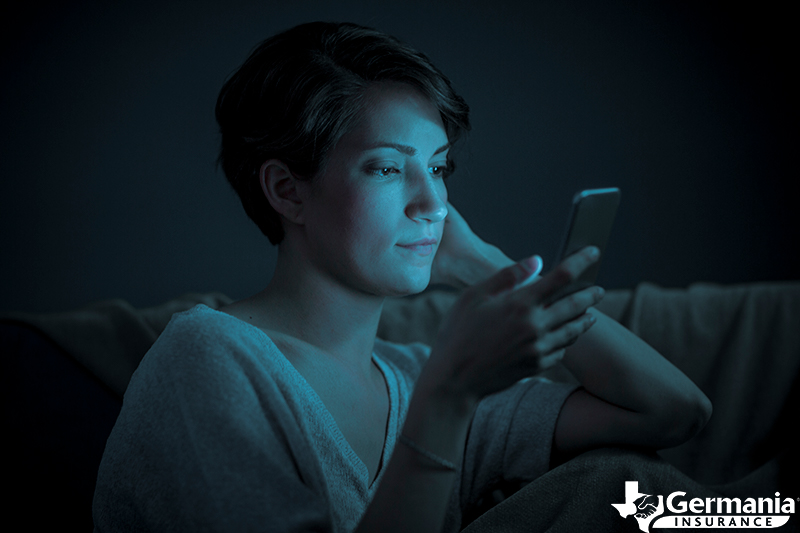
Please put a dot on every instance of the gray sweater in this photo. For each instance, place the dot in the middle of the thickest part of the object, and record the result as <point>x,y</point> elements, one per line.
<point>219,432</point>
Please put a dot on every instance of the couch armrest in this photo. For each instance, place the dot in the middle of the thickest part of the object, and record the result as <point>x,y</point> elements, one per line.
<point>741,345</point>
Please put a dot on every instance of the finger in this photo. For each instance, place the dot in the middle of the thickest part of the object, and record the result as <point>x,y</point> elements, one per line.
<point>551,360</point>
<point>533,362</point>
<point>533,276</point>
<point>570,307</point>
<point>565,335</point>
<point>511,276</point>
<point>565,273</point>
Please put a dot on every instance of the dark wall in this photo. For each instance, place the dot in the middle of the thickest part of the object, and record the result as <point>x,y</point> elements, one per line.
<point>109,187</point>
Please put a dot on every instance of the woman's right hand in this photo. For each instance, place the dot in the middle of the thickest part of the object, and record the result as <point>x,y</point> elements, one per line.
<point>504,329</point>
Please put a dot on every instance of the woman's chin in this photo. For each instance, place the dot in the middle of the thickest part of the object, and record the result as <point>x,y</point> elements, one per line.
<point>407,285</point>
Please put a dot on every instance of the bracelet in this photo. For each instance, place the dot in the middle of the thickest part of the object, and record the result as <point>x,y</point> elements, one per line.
<point>443,464</point>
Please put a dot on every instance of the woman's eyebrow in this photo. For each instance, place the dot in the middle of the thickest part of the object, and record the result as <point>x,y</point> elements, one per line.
<point>404,148</point>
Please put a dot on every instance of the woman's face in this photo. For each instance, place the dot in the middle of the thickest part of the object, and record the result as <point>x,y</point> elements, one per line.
<point>373,218</point>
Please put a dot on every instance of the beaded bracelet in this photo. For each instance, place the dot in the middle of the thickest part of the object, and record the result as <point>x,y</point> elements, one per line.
<point>444,464</point>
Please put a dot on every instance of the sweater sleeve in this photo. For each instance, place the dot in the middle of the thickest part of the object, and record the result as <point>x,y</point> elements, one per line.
<point>204,444</point>
<point>511,437</point>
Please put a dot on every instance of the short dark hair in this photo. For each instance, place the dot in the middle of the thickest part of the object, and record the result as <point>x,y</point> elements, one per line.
<point>299,91</point>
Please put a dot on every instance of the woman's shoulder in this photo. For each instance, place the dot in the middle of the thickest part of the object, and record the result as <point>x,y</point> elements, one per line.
<point>202,315</point>
<point>204,340</point>
<point>208,400</point>
<point>202,326</point>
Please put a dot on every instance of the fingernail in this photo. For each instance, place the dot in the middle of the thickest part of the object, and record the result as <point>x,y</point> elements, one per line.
<point>533,269</point>
<point>533,265</point>
<point>538,266</point>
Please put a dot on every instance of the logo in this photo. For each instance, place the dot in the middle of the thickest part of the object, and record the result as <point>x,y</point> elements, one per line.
<point>703,513</point>
<point>641,506</point>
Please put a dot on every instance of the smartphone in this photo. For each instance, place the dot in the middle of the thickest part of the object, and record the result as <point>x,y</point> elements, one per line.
<point>590,220</point>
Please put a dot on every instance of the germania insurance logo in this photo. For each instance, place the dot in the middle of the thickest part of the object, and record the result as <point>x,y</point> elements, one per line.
<point>703,513</point>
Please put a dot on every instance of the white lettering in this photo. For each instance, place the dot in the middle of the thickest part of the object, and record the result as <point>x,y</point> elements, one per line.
<point>696,505</point>
<point>730,505</point>
<point>681,508</point>
<point>749,505</point>
<point>761,502</point>
<point>719,521</point>
<point>788,506</point>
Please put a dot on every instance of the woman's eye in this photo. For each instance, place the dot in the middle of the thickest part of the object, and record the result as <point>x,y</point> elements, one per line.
<point>383,172</point>
<point>439,171</point>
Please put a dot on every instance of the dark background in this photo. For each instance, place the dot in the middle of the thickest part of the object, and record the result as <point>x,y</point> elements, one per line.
<point>109,187</point>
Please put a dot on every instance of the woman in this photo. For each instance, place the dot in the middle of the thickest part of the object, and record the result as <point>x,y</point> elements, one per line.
<point>283,411</point>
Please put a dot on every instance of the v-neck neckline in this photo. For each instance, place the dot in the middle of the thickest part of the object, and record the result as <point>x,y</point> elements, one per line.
<point>391,419</point>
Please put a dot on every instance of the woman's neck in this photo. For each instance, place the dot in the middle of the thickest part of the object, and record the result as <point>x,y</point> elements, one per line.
<point>306,304</point>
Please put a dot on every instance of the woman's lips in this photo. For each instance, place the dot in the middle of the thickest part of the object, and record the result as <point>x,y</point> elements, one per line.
<point>421,247</point>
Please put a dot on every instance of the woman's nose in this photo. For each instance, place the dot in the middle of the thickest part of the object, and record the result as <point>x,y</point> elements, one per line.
<point>428,199</point>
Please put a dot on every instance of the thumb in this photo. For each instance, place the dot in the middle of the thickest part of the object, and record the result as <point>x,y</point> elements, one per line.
<point>521,272</point>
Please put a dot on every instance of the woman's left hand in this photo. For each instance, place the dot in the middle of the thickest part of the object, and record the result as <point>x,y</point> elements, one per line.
<point>463,258</point>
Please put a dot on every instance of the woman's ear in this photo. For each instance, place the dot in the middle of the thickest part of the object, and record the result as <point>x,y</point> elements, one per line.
<point>280,187</point>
